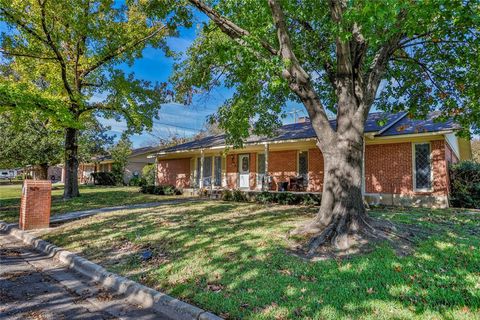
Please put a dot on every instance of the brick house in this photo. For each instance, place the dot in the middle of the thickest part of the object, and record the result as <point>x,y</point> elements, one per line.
<point>405,163</point>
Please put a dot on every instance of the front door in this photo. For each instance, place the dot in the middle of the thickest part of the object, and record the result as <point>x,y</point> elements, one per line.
<point>244,170</point>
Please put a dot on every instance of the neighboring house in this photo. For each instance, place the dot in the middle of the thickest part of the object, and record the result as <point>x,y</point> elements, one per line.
<point>97,164</point>
<point>406,161</point>
<point>136,161</point>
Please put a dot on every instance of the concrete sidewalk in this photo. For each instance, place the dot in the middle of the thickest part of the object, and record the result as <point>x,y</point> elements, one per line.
<point>33,286</point>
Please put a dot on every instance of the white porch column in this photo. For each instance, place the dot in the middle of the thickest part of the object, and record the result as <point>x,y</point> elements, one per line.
<point>267,177</point>
<point>156,172</point>
<point>202,158</point>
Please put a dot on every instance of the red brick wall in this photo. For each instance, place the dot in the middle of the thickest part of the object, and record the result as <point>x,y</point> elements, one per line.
<point>389,168</point>
<point>232,171</point>
<point>35,204</point>
<point>281,166</point>
<point>440,171</point>
<point>174,172</point>
<point>315,170</point>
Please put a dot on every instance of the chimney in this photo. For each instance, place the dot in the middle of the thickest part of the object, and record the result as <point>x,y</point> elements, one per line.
<point>302,119</point>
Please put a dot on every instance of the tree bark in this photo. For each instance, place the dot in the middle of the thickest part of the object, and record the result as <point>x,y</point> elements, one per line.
<point>71,164</point>
<point>42,172</point>
<point>342,213</point>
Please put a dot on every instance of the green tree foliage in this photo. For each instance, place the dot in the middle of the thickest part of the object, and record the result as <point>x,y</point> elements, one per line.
<point>339,56</point>
<point>28,141</point>
<point>120,153</point>
<point>65,55</point>
<point>94,141</point>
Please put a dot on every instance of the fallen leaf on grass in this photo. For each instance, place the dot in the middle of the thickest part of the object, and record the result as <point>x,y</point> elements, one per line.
<point>214,287</point>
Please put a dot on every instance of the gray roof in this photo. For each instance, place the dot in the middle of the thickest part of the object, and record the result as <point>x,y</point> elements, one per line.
<point>391,123</point>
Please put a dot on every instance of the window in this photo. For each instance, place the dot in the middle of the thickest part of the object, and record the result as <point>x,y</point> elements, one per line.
<point>303,163</point>
<point>207,171</point>
<point>261,163</point>
<point>422,167</point>
<point>261,168</point>
<point>218,171</point>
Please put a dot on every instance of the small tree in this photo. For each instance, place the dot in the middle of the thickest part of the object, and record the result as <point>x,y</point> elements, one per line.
<point>120,153</point>
<point>29,141</point>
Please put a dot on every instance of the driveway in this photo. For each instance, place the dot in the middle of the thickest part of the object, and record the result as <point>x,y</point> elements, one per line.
<point>33,286</point>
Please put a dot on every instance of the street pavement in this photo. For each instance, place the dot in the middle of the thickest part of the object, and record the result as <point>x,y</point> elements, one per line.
<point>33,286</point>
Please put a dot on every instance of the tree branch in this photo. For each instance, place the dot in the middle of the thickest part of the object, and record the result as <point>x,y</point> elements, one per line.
<point>379,64</point>
<point>228,27</point>
<point>299,80</point>
<point>21,24</point>
<point>54,48</point>
<point>120,50</point>
<point>327,65</point>
<point>28,55</point>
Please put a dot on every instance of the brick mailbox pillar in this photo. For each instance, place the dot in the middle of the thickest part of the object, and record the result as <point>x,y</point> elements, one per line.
<point>35,205</point>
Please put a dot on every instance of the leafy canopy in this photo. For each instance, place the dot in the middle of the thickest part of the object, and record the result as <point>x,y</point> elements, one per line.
<point>66,55</point>
<point>26,140</point>
<point>433,64</point>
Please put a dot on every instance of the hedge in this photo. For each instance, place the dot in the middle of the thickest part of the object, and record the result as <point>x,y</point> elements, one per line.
<point>289,198</point>
<point>104,178</point>
<point>160,190</point>
<point>465,184</point>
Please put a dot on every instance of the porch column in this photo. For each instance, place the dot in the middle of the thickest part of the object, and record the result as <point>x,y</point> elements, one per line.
<point>156,172</point>
<point>202,158</point>
<point>267,177</point>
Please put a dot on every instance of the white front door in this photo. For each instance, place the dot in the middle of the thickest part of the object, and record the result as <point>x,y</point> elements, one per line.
<point>244,170</point>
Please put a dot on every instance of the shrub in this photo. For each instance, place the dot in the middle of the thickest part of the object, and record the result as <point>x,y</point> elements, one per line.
<point>160,190</point>
<point>104,178</point>
<point>136,181</point>
<point>227,195</point>
<point>265,197</point>
<point>465,184</point>
<point>238,196</point>
<point>148,173</point>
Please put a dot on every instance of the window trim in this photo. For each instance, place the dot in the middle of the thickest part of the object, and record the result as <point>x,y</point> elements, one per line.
<point>414,168</point>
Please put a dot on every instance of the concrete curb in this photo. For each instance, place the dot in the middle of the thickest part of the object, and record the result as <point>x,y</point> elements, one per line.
<point>134,292</point>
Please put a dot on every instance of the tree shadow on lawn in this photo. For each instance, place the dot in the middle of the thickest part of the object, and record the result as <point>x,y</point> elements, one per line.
<point>231,259</point>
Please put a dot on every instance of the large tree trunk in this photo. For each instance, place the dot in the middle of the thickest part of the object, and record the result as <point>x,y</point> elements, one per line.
<point>342,223</point>
<point>342,213</point>
<point>71,164</point>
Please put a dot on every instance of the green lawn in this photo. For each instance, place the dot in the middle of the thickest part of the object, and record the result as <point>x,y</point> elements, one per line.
<point>90,197</point>
<point>232,259</point>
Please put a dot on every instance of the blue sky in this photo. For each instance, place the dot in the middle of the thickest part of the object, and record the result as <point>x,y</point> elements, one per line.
<point>176,118</point>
